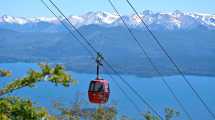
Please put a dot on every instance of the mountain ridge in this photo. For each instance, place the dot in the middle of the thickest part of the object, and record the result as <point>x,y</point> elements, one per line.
<point>156,20</point>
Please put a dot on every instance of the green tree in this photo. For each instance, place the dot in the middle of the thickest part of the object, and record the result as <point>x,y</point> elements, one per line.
<point>169,115</point>
<point>76,112</point>
<point>15,108</point>
<point>105,114</point>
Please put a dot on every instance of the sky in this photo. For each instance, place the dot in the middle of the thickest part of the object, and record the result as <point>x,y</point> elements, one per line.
<point>34,8</point>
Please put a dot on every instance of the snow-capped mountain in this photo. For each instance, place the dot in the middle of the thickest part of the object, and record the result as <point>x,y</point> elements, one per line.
<point>165,20</point>
<point>13,20</point>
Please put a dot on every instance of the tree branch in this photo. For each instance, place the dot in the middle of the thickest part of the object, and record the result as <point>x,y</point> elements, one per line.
<point>56,75</point>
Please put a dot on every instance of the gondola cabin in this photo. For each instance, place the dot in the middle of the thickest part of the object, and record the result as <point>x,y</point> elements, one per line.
<point>99,91</point>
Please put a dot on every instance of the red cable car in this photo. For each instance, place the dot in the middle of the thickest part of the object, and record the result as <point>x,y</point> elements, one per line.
<point>98,91</point>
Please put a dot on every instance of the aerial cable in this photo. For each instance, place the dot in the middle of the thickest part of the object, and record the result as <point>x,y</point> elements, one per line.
<point>123,91</point>
<point>172,61</point>
<point>108,64</point>
<point>151,62</point>
<point>82,36</point>
<point>133,90</point>
<point>68,29</point>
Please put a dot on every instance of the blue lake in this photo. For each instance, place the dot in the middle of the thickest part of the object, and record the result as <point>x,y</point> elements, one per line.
<point>152,89</point>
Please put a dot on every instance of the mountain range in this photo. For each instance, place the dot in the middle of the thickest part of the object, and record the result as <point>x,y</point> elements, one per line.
<point>189,39</point>
<point>176,20</point>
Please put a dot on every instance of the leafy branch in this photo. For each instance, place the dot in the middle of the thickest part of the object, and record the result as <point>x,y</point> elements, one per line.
<point>56,75</point>
<point>4,73</point>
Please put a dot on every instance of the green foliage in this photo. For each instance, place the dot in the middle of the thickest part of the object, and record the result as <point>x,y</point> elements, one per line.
<point>56,75</point>
<point>73,112</point>
<point>67,113</point>
<point>76,112</point>
<point>169,115</point>
<point>150,116</point>
<point>104,114</point>
<point>4,73</point>
<point>14,108</point>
